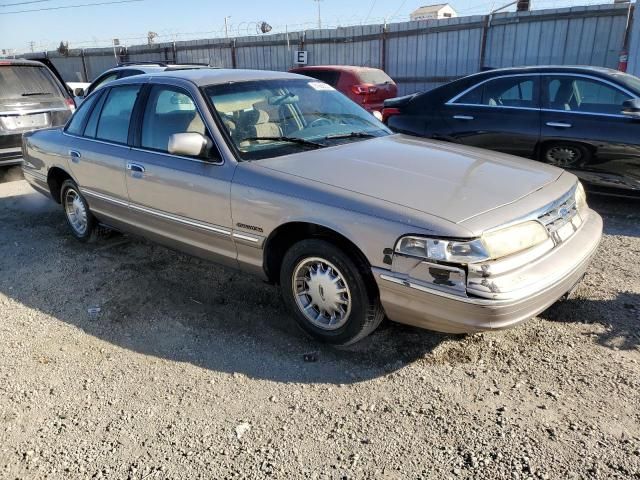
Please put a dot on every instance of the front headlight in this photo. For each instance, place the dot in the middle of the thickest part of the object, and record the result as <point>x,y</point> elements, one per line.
<point>514,239</point>
<point>490,246</point>
<point>454,251</point>
<point>581,200</point>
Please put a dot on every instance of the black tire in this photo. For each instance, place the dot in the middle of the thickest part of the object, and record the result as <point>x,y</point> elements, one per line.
<point>90,233</point>
<point>564,154</point>
<point>365,313</point>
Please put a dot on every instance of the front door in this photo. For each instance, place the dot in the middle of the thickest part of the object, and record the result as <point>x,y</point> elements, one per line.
<point>499,114</point>
<point>583,129</point>
<point>181,201</point>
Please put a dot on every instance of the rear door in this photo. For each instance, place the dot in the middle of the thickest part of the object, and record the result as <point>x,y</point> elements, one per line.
<point>501,113</point>
<point>580,110</point>
<point>181,200</point>
<point>99,150</point>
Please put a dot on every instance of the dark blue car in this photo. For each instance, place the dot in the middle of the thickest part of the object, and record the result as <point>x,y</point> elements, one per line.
<point>585,119</point>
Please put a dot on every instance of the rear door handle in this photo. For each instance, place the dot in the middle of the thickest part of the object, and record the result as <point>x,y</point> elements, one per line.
<point>134,167</point>
<point>463,117</point>
<point>559,124</point>
<point>75,156</point>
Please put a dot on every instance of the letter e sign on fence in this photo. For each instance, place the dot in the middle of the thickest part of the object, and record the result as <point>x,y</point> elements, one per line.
<point>301,57</point>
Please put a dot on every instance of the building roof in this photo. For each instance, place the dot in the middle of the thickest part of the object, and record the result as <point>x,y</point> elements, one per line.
<point>429,8</point>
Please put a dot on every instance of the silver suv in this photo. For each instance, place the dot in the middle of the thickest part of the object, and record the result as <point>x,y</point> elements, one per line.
<point>31,98</point>
<point>282,176</point>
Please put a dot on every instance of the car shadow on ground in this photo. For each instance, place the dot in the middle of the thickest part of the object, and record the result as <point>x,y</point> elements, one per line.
<point>619,317</point>
<point>171,306</point>
<point>621,215</point>
<point>162,303</point>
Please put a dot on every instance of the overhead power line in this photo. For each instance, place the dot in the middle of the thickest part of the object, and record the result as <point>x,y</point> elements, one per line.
<point>71,6</point>
<point>22,3</point>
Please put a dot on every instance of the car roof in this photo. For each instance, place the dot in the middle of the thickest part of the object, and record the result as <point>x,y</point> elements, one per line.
<point>342,68</point>
<point>20,61</point>
<point>547,68</point>
<point>152,68</point>
<point>211,76</point>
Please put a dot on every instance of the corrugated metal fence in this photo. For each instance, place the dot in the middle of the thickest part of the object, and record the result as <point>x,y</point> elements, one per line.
<point>418,55</point>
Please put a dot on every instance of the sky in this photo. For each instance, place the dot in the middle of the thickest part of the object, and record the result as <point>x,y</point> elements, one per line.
<point>129,21</point>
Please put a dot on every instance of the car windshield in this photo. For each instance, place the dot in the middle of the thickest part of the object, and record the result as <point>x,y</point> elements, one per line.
<point>630,81</point>
<point>269,118</point>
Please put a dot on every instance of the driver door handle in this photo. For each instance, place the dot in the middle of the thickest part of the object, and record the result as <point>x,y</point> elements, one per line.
<point>75,156</point>
<point>559,124</point>
<point>463,117</point>
<point>135,167</point>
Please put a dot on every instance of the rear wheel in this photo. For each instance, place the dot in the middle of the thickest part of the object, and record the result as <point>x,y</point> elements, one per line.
<point>81,221</point>
<point>564,155</point>
<point>328,294</point>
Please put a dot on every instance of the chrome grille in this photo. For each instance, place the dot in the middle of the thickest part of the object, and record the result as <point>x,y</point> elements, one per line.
<point>561,219</point>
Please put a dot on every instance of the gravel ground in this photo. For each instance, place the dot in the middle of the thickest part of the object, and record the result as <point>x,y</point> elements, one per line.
<point>190,370</point>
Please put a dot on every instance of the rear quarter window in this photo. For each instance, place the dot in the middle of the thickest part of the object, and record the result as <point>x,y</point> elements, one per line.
<point>76,125</point>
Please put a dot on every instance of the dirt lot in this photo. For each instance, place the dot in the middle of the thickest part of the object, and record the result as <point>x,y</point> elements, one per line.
<point>193,371</point>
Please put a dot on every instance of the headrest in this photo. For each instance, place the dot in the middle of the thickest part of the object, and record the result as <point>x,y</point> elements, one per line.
<point>261,117</point>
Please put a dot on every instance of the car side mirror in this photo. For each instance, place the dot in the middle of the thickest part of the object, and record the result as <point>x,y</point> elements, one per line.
<point>189,144</point>
<point>79,92</point>
<point>631,108</point>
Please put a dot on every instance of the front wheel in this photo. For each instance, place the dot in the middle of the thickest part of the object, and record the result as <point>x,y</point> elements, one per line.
<point>81,221</point>
<point>328,293</point>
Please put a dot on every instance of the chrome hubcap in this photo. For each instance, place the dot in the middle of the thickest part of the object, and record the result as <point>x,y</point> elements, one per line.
<point>562,156</point>
<point>321,293</point>
<point>76,211</point>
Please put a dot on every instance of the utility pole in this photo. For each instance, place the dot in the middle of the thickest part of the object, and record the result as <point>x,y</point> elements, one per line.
<point>32,45</point>
<point>319,16</point>
<point>226,27</point>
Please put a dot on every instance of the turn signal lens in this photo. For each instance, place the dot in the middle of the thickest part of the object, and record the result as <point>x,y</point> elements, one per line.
<point>581,200</point>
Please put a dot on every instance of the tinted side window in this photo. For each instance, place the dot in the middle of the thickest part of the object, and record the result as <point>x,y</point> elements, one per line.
<point>583,95</point>
<point>168,111</point>
<point>76,125</point>
<point>503,92</point>
<point>113,124</point>
<point>101,81</point>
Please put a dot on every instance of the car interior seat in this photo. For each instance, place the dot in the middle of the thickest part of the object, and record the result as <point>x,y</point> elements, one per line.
<point>565,98</point>
<point>257,123</point>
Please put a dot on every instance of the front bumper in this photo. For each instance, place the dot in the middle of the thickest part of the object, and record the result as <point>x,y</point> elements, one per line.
<point>559,271</point>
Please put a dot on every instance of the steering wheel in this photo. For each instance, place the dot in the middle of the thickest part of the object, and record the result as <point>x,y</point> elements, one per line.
<point>319,122</point>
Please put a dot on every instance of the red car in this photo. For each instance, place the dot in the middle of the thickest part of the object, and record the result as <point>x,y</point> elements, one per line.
<point>368,87</point>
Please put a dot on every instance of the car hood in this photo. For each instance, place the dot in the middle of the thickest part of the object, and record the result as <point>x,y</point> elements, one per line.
<point>446,180</point>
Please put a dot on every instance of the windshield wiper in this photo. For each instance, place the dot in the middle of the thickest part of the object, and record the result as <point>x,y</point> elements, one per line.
<point>299,141</point>
<point>30,94</point>
<point>350,135</point>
